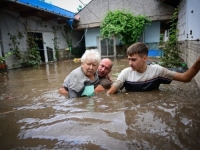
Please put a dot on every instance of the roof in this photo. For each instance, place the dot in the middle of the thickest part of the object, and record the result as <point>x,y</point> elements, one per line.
<point>37,8</point>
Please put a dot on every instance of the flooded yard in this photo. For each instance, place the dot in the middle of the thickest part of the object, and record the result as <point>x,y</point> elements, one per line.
<point>34,116</point>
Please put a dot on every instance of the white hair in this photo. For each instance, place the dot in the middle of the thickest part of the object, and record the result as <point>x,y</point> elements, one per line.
<point>92,54</point>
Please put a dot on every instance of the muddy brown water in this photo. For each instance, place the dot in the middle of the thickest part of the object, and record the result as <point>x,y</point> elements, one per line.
<point>34,116</point>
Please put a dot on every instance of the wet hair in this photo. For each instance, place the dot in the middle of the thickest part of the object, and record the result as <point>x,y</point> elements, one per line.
<point>137,48</point>
<point>91,55</point>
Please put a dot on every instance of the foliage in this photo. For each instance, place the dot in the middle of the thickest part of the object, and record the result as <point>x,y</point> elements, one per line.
<point>33,58</point>
<point>123,25</point>
<point>79,8</point>
<point>67,38</point>
<point>33,52</point>
<point>56,47</point>
<point>3,58</point>
<point>170,53</point>
<point>15,43</point>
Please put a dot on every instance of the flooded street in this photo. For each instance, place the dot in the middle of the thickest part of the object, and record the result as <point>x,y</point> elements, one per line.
<point>34,116</point>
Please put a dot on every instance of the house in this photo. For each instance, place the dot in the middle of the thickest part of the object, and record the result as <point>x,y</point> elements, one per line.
<point>46,22</point>
<point>159,11</point>
<point>94,12</point>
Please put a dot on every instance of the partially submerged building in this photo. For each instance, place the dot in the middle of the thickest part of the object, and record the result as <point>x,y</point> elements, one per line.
<point>46,22</point>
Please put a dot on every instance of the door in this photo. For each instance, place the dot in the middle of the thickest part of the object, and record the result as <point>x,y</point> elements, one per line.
<point>49,51</point>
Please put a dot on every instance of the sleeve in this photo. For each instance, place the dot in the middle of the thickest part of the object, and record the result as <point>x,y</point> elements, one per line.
<point>166,73</point>
<point>72,94</point>
<point>73,82</point>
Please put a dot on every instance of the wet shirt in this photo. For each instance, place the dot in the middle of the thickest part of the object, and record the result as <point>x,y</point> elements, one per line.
<point>76,81</point>
<point>149,80</point>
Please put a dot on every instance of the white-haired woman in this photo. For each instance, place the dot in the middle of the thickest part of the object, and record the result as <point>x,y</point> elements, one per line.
<point>82,80</point>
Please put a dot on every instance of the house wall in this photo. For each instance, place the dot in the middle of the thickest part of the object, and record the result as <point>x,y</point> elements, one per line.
<point>95,11</point>
<point>11,22</point>
<point>189,44</point>
<point>151,36</point>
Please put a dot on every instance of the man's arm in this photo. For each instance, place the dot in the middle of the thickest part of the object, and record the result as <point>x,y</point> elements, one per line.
<point>112,90</point>
<point>189,74</point>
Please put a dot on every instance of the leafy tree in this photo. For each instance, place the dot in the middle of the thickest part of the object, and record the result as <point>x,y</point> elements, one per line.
<point>79,8</point>
<point>123,25</point>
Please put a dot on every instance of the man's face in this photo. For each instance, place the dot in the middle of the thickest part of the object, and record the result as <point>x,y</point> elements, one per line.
<point>104,68</point>
<point>89,68</point>
<point>137,62</point>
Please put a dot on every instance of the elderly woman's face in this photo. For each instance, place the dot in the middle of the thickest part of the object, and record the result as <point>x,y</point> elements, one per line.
<point>89,68</point>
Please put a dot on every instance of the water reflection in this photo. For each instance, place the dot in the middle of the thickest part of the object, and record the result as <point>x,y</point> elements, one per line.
<point>34,116</point>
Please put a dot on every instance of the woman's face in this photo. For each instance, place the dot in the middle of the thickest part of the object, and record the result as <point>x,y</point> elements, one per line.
<point>89,68</point>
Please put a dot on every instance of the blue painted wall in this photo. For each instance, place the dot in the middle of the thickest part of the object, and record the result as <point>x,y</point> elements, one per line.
<point>91,37</point>
<point>151,36</point>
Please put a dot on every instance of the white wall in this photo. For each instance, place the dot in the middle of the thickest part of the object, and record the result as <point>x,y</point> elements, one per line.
<point>182,21</point>
<point>193,19</point>
<point>189,20</point>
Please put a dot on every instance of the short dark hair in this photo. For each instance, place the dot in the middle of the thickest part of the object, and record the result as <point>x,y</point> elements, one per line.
<point>137,48</point>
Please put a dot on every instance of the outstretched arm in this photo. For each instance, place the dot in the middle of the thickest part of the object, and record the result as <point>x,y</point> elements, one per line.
<point>189,74</point>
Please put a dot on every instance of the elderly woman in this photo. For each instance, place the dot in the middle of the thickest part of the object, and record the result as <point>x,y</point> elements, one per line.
<point>82,80</point>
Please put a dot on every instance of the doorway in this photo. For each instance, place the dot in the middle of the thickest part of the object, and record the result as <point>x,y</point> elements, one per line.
<point>45,44</point>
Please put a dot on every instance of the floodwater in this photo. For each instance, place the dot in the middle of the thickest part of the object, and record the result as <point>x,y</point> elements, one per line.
<point>34,116</point>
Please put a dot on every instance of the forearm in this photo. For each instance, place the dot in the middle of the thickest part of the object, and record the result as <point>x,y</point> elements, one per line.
<point>189,74</point>
<point>193,70</point>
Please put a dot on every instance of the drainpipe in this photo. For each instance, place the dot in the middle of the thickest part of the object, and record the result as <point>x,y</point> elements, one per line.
<point>1,45</point>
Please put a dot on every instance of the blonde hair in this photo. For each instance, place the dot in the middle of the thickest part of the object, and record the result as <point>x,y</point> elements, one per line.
<point>92,54</point>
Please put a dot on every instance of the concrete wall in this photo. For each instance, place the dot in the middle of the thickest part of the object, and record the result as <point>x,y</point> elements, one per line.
<point>95,11</point>
<point>190,52</point>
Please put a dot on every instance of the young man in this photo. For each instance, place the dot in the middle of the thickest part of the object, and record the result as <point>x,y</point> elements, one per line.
<point>142,77</point>
<point>104,69</point>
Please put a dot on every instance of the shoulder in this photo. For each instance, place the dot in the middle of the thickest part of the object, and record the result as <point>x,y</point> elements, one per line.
<point>76,71</point>
<point>155,66</point>
<point>128,69</point>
